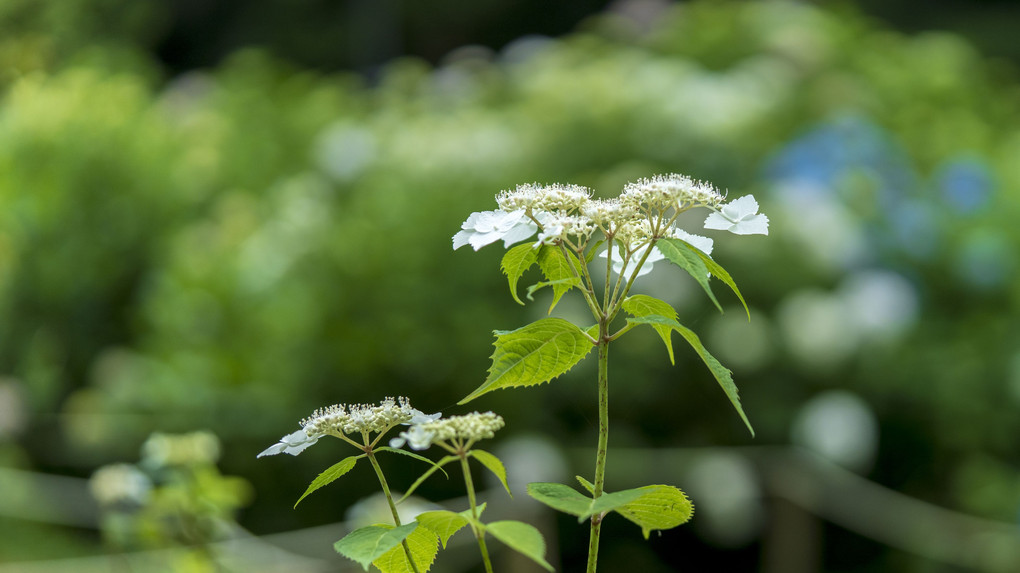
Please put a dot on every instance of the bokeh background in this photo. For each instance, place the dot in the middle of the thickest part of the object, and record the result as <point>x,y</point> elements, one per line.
<point>216,217</point>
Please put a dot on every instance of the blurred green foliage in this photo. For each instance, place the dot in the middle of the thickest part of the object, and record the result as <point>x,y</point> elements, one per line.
<point>232,248</point>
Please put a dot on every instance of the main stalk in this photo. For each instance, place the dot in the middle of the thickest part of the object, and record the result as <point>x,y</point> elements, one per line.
<point>603,447</point>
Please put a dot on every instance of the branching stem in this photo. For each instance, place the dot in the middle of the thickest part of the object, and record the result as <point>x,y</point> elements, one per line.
<point>393,506</point>
<point>479,534</point>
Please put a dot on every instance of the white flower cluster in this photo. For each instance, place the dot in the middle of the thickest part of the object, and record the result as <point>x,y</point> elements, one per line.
<point>356,419</point>
<point>557,227</point>
<point>673,190</point>
<point>638,216</point>
<point>704,244</point>
<point>467,428</point>
<point>193,448</point>
<point>555,197</point>
<point>120,484</point>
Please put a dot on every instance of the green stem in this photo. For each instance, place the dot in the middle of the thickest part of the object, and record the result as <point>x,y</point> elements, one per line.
<point>588,290</point>
<point>603,448</point>
<point>479,534</point>
<point>393,506</point>
<point>613,307</point>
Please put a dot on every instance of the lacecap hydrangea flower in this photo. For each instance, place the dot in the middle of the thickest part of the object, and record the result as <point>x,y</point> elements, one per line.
<point>644,212</point>
<point>465,429</point>
<point>357,419</point>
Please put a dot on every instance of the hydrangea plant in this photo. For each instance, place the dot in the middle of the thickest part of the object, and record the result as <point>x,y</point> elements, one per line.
<point>630,233</point>
<point>411,547</point>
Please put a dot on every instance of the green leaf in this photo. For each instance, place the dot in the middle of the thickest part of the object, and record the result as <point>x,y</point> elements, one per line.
<point>330,474</point>
<point>561,498</point>
<point>423,544</point>
<point>591,250</point>
<point>660,507</point>
<point>686,257</point>
<point>467,513</point>
<point>515,263</point>
<point>494,465</point>
<point>522,538</point>
<point>366,544</point>
<point>571,282</point>
<point>533,354</point>
<point>556,267</point>
<point>568,500</point>
<point>643,305</point>
<point>436,466</point>
<point>586,484</point>
<point>721,373</point>
<point>721,274</point>
<point>412,455</point>
<point>445,523</point>
<point>442,523</point>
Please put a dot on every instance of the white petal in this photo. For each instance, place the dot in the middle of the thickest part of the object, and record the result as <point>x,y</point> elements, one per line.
<point>718,222</point>
<point>740,208</point>
<point>506,221</point>
<point>703,244</point>
<point>272,450</point>
<point>479,240</point>
<point>519,232</point>
<point>617,260</point>
<point>485,221</point>
<point>470,222</point>
<point>756,225</point>
<point>420,417</point>
<point>292,444</point>
<point>461,239</point>
<point>418,438</point>
<point>397,443</point>
<point>295,438</point>
<point>297,449</point>
<point>646,268</point>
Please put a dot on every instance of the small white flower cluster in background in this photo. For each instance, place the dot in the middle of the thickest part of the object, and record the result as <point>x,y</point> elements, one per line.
<point>162,450</point>
<point>120,484</point>
<point>468,428</point>
<point>644,212</point>
<point>341,419</point>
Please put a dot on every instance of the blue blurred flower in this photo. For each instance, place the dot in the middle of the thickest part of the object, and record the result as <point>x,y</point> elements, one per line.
<point>965,183</point>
